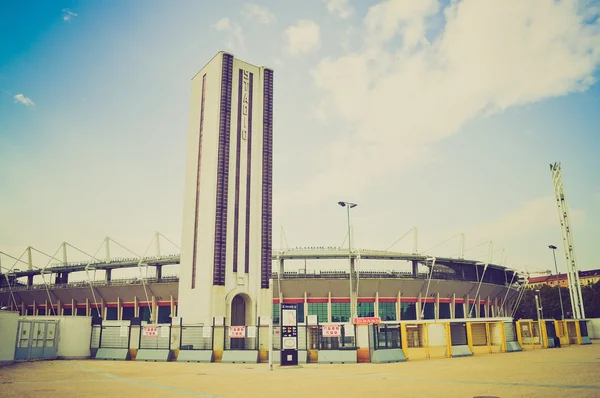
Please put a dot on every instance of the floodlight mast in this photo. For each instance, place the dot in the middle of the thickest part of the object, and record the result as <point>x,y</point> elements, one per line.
<point>569,247</point>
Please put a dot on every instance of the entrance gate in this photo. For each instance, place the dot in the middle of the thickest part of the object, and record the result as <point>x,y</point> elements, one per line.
<point>36,339</point>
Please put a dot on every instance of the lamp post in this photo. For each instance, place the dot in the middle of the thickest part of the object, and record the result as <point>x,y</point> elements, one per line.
<point>562,310</point>
<point>349,206</point>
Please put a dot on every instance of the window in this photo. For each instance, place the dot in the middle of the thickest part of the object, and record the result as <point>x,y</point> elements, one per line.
<point>67,311</point>
<point>387,311</point>
<point>365,309</point>
<point>340,312</point>
<point>164,314</point>
<point>111,313</point>
<point>482,311</point>
<point>80,312</point>
<point>300,313</point>
<point>428,311</point>
<point>459,311</point>
<point>145,313</point>
<point>408,311</point>
<point>276,314</point>
<point>318,309</point>
<point>444,310</point>
<point>127,313</point>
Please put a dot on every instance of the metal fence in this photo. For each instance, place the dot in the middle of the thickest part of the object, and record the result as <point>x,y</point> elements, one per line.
<point>196,337</point>
<point>387,336</point>
<point>346,340</point>
<point>248,340</point>
<point>155,337</point>
<point>112,336</point>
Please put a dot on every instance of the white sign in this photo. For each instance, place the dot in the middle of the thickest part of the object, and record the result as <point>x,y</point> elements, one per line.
<point>265,320</point>
<point>332,331</point>
<point>289,317</point>
<point>244,103</point>
<point>311,319</point>
<point>150,331</point>
<point>289,343</point>
<point>348,330</point>
<point>123,331</point>
<point>206,332</point>
<point>219,321</point>
<point>164,331</point>
<point>251,331</point>
<point>237,332</point>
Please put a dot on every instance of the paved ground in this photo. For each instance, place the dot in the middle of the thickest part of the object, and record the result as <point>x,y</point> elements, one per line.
<point>570,371</point>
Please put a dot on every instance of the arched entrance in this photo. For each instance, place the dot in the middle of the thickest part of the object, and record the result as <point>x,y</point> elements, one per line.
<point>238,311</point>
<point>238,318</point>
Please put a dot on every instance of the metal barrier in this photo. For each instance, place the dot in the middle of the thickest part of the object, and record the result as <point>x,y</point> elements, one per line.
<point>155,337</point>
<point>112,336</point>
<point>438,340</point>
<point>337,337</point>
<point>196,337</point>
<point>241,338</point>
<point>562,333</point>
<point>387,336</point>
<point>529,334</point>
<point>486,337</point>
<point>95,338</point>
<point>414,340</point>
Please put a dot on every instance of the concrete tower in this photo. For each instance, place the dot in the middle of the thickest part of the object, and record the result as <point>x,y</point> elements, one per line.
<point>226,238</point>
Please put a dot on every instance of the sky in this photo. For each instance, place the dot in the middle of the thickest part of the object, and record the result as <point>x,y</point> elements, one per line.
<point>443,115</point>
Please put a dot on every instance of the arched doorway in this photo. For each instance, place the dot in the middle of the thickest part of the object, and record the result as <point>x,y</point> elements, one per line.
<point>238,318</point>
<point>238,311</point>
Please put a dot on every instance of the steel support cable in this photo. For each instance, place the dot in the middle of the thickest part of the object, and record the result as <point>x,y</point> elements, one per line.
<point>480,244</point>
<point>9,270</point>
<point>518,302</point>
<point>478,287</point>
<point>441,243</point>
<point>44,278</point>
<point>41,273</point>
<point>90,281</point>
<point>174,244</point>
<point>402,237</point>
<point>507,290</point>
<point>81,251</point>
<point>139,268</point>
<point>428,283</point>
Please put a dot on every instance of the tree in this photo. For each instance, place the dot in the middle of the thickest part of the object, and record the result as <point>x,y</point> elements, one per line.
<point>550,302</point>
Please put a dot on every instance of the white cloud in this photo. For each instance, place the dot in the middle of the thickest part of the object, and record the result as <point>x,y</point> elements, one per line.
<point>23,100</point>
<point>534,215</point>
<point>302,38</point>
<point>384,20</point>
<point>341,8</point>
<point>235,39</point>
<point>68,14</point>
<point>260,14</point>
<point>489,56</point>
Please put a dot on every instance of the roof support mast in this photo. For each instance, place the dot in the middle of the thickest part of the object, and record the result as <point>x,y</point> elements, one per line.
<point>567,237</point>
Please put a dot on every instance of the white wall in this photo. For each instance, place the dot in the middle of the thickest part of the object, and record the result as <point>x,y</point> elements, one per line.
<point>74,335</point>
<point>594,328</point>
<point>9,322</point>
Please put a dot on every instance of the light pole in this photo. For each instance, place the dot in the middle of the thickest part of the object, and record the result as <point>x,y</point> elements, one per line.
<point>562,310</point>
<point>349,206</point>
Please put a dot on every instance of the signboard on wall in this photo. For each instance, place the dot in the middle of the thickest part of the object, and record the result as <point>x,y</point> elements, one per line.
<point>237,332</point>
<point>332,331</point>
<point>289,335</point>
<point>150,331</point>
<point>367,320</point>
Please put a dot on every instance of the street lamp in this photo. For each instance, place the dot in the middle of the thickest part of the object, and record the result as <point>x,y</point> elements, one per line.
<point>562,311</point>
<point>349,206</point>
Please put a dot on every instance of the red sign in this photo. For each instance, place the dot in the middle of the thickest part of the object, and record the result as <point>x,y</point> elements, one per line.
<point>367,320</point>
<point>332,331</point>
<point>237,332</point>
<point>151,331</point>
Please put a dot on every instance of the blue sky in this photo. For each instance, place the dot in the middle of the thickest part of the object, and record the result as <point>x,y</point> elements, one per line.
<point>429,114</point>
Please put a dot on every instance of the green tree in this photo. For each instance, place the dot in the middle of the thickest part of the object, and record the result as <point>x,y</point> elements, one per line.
<point>550,302</point>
